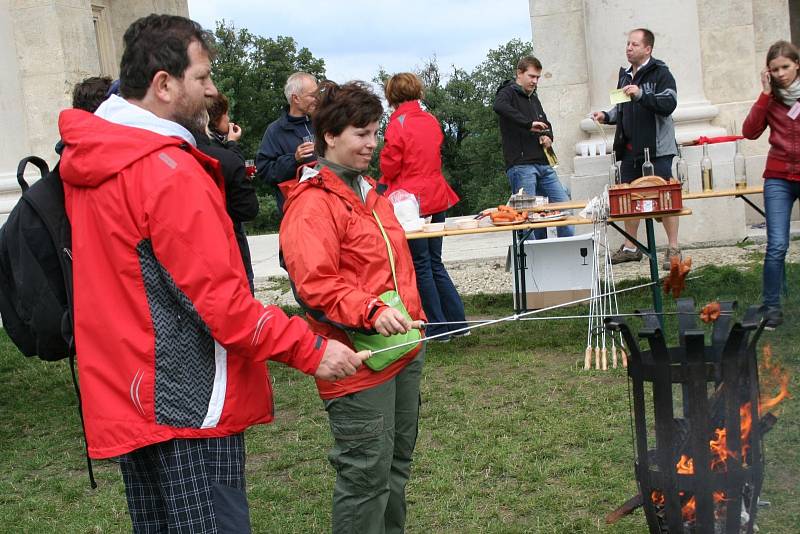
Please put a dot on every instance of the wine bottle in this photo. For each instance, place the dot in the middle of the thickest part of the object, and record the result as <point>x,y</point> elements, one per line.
<point>682,171</point>
<point>739,167</point>
<point>647,166</point>
<point>614,176</point>
<point>706,170</point>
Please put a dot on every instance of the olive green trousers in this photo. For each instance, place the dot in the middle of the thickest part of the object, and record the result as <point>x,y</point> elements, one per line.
<point>374,433</point>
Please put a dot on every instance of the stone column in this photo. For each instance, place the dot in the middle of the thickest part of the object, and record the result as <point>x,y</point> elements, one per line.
<point>12,115</point>
<point>56,48</point>
<point>675,24</point>
<point>559,41</point>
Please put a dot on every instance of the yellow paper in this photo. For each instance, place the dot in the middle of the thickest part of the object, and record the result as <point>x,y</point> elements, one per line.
<point>618,96</point>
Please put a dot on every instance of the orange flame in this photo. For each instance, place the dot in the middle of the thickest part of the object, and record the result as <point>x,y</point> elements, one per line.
<point>685,465</point>
<point>772,375</point>
<point>658,498</point>
<point>719,450</point>
<point>688,510</point>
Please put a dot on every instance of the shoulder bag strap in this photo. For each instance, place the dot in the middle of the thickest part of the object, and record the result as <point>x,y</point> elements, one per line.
<point>388,249</point>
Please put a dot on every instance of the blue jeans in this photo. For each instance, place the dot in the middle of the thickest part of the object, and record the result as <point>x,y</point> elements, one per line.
<point>542,180</point>
<point>439,296</point>
<point>779,197</point>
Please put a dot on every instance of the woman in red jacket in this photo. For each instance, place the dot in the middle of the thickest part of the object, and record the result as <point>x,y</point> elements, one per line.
<point>411,161</point>
<point>346,255</point>
<point>778,107</point>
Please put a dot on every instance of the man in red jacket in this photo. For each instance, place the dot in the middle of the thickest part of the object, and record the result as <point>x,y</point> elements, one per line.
<point>171,345</point>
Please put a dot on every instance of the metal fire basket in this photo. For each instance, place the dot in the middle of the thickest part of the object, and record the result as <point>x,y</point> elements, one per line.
<point>684,397</point>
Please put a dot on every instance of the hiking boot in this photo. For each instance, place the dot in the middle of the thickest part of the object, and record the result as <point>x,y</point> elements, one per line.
<point>623,255</point>
<point>668,254</point>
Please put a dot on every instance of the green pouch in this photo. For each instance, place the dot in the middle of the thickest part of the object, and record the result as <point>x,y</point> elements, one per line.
<point>375,342</point>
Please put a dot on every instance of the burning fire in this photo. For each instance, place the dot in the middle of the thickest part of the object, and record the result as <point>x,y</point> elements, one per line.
<point>772,377</point>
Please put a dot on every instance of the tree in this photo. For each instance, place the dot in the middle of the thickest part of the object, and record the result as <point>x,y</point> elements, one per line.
<point>251,71</point>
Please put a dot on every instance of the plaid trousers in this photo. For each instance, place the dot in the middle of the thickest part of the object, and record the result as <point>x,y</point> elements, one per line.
<point>187,486</point>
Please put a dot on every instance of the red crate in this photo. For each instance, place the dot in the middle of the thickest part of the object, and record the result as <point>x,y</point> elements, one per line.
<point>647,199</point>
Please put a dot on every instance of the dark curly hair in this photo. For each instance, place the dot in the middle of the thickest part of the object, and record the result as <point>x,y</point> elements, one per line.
<point>340,106</point>
<point>90,93</point>
<point>155,43</point>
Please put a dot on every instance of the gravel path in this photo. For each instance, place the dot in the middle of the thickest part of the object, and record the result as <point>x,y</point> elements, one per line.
<point>490,275</point>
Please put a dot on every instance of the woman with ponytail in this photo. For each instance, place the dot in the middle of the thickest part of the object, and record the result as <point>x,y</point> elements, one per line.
<point>778,106</point>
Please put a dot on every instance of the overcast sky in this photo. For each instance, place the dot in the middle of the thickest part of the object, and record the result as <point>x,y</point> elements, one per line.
<point>356,37</point>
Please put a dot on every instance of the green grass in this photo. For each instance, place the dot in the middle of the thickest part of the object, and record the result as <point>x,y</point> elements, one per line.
<point>514,436</point>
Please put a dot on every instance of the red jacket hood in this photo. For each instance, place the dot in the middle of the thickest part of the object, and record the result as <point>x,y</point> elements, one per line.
<point>96,150</point>
<point>328,181</point>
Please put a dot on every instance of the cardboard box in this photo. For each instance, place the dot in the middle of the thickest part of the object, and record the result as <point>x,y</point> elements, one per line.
<point>545,299</point>
<point>559,270</point>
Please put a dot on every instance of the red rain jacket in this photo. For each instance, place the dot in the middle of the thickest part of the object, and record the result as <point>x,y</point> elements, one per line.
<point>783,159</point>
<point>338,264</point>
<point>169,341</point>
<point>411,158</point>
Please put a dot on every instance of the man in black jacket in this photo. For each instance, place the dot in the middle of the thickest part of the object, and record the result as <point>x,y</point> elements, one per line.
<point>526,133</point>
<point>241,201</point>
<point>644,122</point>
<point>289,141</point>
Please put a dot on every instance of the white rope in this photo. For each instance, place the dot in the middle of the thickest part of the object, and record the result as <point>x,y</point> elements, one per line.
<point>514,317</point>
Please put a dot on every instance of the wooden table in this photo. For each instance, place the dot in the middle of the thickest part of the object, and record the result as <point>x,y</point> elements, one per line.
<point>521,232</point>
<point>737,193</point>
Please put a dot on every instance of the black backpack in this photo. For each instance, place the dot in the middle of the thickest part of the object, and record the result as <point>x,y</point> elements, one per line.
<point>36,268</point>
<point>36,274</point>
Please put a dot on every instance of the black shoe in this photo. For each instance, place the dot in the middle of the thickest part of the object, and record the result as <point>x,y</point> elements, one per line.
<point>773,316</point>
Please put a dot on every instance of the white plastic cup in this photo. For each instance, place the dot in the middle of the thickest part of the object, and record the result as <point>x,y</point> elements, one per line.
<point>592,149</point>
<point>601,149</point>
<point>584,150</point>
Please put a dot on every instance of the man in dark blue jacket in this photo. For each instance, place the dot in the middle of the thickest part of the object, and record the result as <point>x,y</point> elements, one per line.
<point>644,122</point>
<point>526,134</point>
<point>289,141</point>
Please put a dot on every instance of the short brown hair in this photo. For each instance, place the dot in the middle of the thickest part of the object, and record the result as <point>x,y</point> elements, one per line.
<point>155,43</point>
<point>527,62</point>
<point>351,104</point>
<point>403,87</point>
<point>648,39</point>
<point>217,106</point>
<point>90,93</point>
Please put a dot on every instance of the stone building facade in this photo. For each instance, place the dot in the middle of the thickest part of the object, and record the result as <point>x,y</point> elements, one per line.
<point>715,49</point>
<point>46,46</point>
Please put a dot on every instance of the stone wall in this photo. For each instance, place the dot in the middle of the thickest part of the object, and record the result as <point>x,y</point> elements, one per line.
<point>46,46</point>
